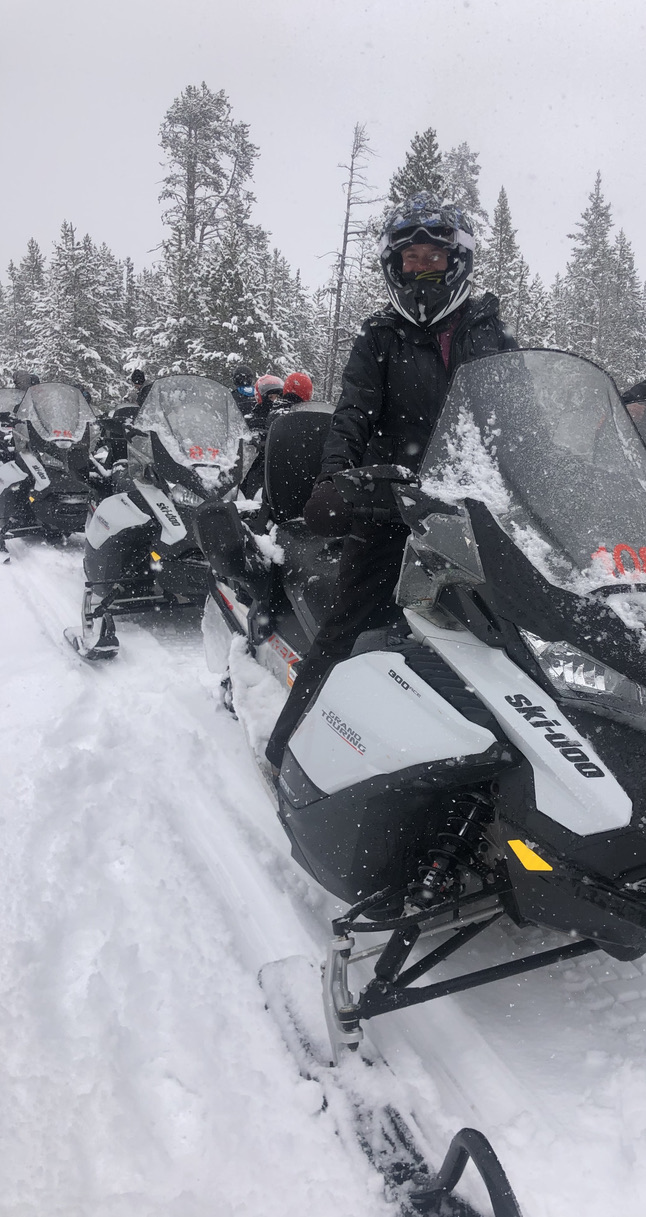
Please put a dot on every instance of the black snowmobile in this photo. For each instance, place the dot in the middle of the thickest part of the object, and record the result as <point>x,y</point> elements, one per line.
<point>9,400</point>
<point>485,756</point>
<point>190,445</point>
<point>45,482</point>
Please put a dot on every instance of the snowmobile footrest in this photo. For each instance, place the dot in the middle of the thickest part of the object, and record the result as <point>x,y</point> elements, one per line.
<point>467,1145</point>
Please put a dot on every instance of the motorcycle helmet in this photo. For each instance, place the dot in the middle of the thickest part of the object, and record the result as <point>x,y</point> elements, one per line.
<point>24,380</point>
<point>428,297</point>
<point>297,387</point>
<point>268,388</point>
<point>138,377</point>
<point>243,376</point>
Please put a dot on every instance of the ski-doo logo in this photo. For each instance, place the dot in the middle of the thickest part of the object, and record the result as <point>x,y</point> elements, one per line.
<point>99,519</point>
<point>170,515</point>
<point>350,736</point>
<point>404,683</point>
<point>569,748</point>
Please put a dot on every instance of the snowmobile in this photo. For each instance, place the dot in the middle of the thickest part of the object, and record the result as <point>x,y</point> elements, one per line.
<point>484,754</point>
<point>190,445</point>
<point>9,399</point>
<point>45,481</point>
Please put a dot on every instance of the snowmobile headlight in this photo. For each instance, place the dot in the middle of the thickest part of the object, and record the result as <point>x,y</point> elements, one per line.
<point>52,462</point>
<point>577,677</point>
<point>187,498</point>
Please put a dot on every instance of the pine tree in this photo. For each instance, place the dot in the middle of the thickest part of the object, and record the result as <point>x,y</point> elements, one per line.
<point>25,288</point>
<point>538,322</point>
<point>626,330</point>
<point>209,163</point>
<point>422,168</point>
<point>503,270</point>
<point>210,158</point>
<point>585,325</point>
<point>78,319</point>
<point>460,172</point>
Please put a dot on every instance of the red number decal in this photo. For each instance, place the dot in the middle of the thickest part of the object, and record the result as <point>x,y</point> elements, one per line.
<point>195,452</point>
<point>617,555</point>
<point>213,452</point>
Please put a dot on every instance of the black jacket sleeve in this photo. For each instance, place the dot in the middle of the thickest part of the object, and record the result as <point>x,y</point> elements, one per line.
<point>360,404</point>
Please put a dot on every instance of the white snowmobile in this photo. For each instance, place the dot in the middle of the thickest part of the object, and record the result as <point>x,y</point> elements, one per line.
<point>190,445</point>
<point>48,466</point>
<point>487,755</point>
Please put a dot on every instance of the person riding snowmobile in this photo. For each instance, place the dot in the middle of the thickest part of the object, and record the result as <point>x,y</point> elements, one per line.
<point>24,380</point>
<point>393,389</point>
<point>267,392</point>
<point>297,388</point>
<point>242,391</point>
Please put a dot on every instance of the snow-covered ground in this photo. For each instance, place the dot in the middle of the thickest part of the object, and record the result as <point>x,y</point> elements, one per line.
<point>145,880</point>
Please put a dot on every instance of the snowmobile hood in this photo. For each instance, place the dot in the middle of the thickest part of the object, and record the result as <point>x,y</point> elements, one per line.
<point>57,412</point>
<point>198,423</point>
<point>543,440</point>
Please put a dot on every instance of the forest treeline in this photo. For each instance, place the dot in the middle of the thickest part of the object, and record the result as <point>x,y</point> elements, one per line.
<point>220,293</point>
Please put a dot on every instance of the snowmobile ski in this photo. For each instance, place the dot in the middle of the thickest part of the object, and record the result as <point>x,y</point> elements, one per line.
<point>103,650</point>
<point>352,1094</point>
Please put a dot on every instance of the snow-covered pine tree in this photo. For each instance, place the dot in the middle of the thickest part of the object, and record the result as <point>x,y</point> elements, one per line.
<point>209,160</point>
<point>23,292</point>
<point>460,172</point>
<point>78,318</point>
<point>584,309</point>
<point>538,322</point>
<point>626,341</point>
<point>503,270</point>
<point>421,170</point>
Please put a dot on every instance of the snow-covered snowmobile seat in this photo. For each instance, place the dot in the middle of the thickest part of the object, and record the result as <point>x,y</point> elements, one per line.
<point>292,461</point>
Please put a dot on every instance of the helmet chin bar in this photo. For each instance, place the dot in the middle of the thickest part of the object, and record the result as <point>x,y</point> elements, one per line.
<point>425,313</point>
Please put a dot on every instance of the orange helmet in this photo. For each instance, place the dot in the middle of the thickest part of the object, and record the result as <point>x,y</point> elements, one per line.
<point>299,385</point>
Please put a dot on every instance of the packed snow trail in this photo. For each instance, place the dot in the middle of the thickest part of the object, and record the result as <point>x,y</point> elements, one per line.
<point>145,881</point>
<point>141,1072</point>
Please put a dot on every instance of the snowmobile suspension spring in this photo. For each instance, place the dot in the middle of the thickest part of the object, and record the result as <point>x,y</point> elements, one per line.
<point>457,841</point>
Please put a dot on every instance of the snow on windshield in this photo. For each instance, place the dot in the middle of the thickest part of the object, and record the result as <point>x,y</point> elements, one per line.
<point>58,412</point>
<point>198,422</point>
<point>543,440</point>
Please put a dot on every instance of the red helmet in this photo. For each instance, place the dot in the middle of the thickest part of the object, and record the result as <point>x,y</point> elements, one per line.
<point>265,385</point>
<point>300,385</point>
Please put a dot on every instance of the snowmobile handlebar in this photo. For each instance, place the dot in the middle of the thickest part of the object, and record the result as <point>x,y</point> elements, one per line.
<point>369,491</point>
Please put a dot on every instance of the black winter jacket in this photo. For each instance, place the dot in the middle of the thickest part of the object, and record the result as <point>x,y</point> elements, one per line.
<point>395,383</point>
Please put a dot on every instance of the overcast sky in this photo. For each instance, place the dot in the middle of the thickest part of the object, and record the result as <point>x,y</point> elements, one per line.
<point>546,91</point>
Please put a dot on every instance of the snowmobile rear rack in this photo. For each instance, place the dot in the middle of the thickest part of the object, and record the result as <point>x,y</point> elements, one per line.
<point>390,988</point>
<point>467,1145</point>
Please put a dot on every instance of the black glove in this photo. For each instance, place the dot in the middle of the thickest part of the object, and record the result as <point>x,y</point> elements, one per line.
<point>326,513</point>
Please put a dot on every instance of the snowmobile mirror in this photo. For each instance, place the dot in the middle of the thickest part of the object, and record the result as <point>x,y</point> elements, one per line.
<point>415,506</point>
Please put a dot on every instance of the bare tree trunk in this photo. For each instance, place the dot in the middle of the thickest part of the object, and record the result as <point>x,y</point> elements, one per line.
<point>357,162</point>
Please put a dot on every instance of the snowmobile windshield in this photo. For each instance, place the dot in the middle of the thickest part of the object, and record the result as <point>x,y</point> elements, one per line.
<point>543,439</point>
<point>57,412</point>
<point>197,421</point>
<point>9,399</point>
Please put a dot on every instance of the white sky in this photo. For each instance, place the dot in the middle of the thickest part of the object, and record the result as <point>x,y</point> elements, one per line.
<point>547,91</point>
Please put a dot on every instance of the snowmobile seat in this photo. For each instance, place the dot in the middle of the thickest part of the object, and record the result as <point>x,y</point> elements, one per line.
<point>293,454</point>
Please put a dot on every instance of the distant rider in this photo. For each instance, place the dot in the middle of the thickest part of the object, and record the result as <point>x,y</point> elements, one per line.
<point>392,392</point>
